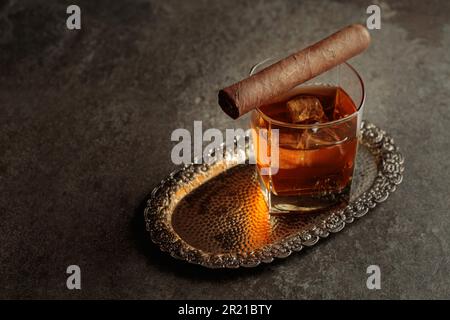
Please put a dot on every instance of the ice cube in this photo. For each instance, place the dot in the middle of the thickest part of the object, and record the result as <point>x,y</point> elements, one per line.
<point>303,149</point>
<point>305,109</point>
<point>319,137</point>
<point>309,138</point>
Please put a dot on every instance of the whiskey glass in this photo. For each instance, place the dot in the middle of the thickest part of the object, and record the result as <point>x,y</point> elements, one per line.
<point>306,168</point>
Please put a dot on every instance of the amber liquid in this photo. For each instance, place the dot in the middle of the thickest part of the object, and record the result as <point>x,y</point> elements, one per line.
<point>312,162</point>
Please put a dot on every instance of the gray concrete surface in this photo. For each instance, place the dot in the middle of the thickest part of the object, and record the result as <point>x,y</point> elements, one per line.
<point>85,124</point>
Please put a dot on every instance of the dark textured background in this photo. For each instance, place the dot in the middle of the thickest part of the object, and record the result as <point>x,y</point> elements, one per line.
<point>85,124</point>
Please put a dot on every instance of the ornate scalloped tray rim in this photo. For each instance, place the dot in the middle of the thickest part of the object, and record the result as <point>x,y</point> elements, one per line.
<point>390,174</point>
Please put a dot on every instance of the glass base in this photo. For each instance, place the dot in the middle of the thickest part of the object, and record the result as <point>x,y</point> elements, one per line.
<point>304,204</point>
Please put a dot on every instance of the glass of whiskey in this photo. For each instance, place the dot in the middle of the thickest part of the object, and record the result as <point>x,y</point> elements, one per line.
<point>305,141</point>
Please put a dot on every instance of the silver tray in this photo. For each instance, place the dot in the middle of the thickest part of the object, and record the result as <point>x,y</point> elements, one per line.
<point>196,214</point>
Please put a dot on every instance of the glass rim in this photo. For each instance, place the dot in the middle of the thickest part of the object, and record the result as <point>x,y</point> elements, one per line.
<point>316,125</point>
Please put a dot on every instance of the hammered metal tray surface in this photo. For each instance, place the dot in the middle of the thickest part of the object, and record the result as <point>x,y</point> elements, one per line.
<point>215,215</point>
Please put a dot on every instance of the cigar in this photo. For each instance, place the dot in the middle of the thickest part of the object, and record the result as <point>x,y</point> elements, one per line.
<point>297,68</point>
